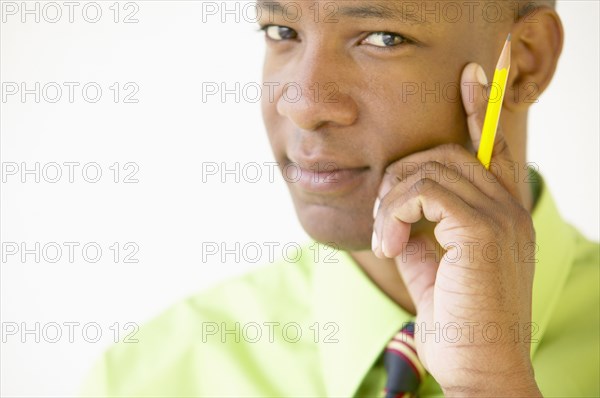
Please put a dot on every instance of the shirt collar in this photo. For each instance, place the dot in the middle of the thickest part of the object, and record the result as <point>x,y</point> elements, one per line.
<point>555,241</point>
<point>364,319</point>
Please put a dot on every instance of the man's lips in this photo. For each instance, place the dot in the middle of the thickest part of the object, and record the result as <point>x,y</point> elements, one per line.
<point>322,163</point>
<point>323,176</point>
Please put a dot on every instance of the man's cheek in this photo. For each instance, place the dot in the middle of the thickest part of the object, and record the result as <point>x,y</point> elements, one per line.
<point>438,122</point>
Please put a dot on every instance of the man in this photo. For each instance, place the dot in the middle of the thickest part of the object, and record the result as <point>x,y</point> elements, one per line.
<point>503,293</point>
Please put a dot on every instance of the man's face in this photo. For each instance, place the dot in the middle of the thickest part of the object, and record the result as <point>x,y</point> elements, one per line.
<point>358,99</point>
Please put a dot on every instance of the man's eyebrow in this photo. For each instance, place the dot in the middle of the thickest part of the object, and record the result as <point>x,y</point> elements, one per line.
<point>363,11</point>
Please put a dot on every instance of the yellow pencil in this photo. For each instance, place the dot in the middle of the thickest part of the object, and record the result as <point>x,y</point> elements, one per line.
<point>492,114</point>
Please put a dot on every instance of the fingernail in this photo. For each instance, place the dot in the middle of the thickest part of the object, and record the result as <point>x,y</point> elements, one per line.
<point>376,207</point>
<point>481,78</point>
<point>383,248</point>
<point>374,241</point>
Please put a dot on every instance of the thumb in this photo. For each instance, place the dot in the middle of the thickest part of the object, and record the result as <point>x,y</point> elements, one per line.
<point>418,269</point>
<point>474,86</point>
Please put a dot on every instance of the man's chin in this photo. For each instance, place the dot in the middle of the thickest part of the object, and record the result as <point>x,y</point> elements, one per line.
<point>347,230</point>
<point>342,229</point>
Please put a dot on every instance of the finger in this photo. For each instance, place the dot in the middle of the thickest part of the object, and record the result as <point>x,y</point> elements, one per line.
<point>476,92</point>
<point>451,180</point>
<point>425,199</point>
<point>430,200</point>
<point>418,271</point>
<point>474,87</point>
<point>457,161</point>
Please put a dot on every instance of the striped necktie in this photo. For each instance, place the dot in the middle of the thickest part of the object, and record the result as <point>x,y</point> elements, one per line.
<point>404,370</point>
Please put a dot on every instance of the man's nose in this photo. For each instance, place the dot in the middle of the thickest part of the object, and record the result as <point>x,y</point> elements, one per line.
<point>318,94</point>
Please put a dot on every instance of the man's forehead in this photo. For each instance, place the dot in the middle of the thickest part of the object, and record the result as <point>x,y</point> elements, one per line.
<point>413,12</point>
<point>398,11</point>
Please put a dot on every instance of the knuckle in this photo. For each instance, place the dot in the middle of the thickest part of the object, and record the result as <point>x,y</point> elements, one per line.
<point>388,182</point>
<point>423,185</point>
<point>391,168</point>
<point>452,148</point>
<point>397,171</point>
<point>387,201</point>
<point>431,169</point>
<point>432,165</point>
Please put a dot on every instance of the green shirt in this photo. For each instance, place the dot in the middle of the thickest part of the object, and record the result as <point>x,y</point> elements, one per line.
<point>317,326</point>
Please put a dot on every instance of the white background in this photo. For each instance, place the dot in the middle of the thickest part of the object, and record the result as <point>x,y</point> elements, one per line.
<point>169,134</point>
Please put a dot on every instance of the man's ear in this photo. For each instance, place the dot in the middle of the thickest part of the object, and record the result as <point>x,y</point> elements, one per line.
<point>537,42</point>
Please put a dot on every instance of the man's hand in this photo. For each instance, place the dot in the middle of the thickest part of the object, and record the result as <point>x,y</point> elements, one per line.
<point>474,302</point>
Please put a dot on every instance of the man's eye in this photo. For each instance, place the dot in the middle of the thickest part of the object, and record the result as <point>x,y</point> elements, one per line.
<point>279,33</point>
<point>385,39</point>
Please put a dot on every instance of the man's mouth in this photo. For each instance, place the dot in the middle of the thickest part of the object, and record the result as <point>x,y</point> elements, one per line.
<point>323,175</point>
